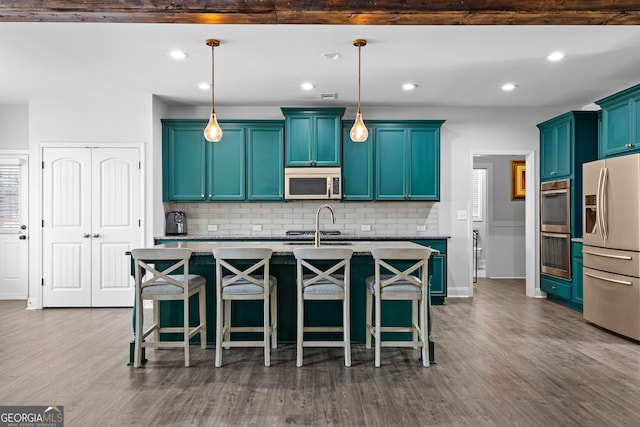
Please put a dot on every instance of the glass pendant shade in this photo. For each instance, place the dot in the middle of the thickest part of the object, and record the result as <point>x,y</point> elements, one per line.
<point>213,132</point>
<point>359,132</point>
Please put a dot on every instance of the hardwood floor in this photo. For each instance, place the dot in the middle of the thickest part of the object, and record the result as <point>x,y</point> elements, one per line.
<point>502,359</point>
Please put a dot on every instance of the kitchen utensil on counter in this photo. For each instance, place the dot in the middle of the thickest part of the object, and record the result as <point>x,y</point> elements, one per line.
<point>176,223</point>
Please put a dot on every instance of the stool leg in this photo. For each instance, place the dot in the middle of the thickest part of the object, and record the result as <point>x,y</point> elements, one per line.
<point>274,317</point>
<point>368,320</point>
<point>378,334</point>
<point>202,310</point>
<point>219,317</point>
<point>346,330</point>
<point>414,322</point>
<point>227,322</point>
<point>424,327</point>
<point>137,354</point>
<point>185,327</point>
<point>266,323</point>
<point>300,320</point>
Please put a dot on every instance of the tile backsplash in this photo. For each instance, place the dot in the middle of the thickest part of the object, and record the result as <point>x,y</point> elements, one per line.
<point>274,219</point>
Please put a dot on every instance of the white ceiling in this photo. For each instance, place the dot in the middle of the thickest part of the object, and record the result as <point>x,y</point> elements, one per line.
<point>257,65</point>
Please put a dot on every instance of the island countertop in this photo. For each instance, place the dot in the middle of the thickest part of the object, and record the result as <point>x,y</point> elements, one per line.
<point>286,247</point>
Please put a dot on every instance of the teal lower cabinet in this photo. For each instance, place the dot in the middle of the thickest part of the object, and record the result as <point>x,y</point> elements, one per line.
<point>437,269</point>
<point>566,292</point>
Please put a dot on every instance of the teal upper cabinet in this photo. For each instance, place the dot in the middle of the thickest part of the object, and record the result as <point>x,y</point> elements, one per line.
<point>407,160</point>
<point>313,137</point>
<point>555,150</point>
<point>226,165</point>
<point>357,166</point>
<point>566,142</point>
<point>183,161</point>
<point>246,164</point>
<point>265,162</point>
<point>620,133</point>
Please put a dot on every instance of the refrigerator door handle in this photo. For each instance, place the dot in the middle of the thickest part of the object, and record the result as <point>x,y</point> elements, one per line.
<point>626,258</point>
<point>605,177</point>
<point>599,204</point>
<point>606,279</point>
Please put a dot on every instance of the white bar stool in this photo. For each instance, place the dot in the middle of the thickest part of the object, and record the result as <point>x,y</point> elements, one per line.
<point>411,284</point>
<point>325,282</point>
<point>245,283</point>
<point>162,286</point>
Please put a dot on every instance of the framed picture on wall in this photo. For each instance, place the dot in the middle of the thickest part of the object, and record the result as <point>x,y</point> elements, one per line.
<point>518,182</point>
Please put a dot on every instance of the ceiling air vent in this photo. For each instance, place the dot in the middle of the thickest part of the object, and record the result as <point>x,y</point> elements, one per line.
<point>329,95</point>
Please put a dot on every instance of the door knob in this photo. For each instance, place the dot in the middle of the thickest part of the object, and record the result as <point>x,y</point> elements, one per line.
<point>22,237</point>
<point>23,227</point>
<point>96,235</point>
<point>86,235</point>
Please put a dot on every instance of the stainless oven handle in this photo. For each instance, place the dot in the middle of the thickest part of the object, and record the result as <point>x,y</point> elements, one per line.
<point>605,178</point>
<point>599,203</point>
<point>606,279</point>
<point>626,258</point>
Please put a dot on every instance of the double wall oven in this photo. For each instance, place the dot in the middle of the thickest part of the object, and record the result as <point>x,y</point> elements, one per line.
<point>555,228</point>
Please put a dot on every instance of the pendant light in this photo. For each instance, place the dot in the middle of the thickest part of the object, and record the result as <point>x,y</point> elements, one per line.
<point>213,132</point>
<point>359,132</point>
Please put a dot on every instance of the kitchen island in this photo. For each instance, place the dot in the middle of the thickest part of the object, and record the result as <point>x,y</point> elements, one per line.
<point>283,267</point>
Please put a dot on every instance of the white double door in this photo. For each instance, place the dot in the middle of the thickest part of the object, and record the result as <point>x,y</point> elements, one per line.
<point>91,218</point>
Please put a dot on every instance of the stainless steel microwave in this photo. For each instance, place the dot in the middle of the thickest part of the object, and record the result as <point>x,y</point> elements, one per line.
<point>312,183</point>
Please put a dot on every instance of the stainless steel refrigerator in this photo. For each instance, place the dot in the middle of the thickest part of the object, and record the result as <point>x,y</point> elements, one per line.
<point>611,238</point>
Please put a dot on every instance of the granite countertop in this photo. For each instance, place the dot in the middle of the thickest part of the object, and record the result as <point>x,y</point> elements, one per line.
<point>328,238</point>
<point>286,248</point>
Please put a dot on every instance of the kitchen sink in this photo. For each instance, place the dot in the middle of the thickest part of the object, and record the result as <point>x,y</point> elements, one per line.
<point>321,243</point>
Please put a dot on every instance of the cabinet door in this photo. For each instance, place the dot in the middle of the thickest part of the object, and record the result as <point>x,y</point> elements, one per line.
<point>438,275</point>
<point>424,165</point>
<point>390,163</point>
<point>563,149</point>
<point>616,129</point>
<point>577,280</point>
<point>226,173</point>
<point>299,131</point>
<point>635,120</point>
<point>326,150</point>
<point>357,167</point>
<point>183,172</point>
<point>548,156</point>
<point>265,163</point>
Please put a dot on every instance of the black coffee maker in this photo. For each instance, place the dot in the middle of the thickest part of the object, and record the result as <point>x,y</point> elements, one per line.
<point>176,223</point>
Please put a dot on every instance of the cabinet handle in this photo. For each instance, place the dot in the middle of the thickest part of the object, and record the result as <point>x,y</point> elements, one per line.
<point>628,145</point>
<point>202,195</point>
<point>552,173</point>
<point>553,288</point>
<point>209,195</point>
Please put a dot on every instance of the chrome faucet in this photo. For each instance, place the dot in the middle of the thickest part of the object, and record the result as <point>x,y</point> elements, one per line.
<point>333,220</point>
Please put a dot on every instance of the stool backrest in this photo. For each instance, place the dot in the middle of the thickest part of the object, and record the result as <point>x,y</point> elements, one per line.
<point>145,263</point>
<point>417,273</point>
<point>342,256</point>
<point>229,259</point>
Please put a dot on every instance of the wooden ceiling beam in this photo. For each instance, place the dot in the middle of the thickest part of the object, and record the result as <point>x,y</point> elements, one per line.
<point>336,12</point>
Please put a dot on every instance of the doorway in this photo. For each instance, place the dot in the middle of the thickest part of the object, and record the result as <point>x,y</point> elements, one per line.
<point>503,226</point>
<point>14,215</point>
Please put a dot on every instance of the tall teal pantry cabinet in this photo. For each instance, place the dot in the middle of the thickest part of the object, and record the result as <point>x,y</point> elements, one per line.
<point>566,142</point>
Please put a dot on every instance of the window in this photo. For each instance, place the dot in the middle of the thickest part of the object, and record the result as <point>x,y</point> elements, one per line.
<point>478,197</point>
<point>10,197</point>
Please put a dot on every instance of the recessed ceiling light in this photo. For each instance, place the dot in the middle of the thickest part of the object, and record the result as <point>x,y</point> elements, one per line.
<point>409,86</point>
<point>178,54</point>
<point>555,56</point>
<point>307,86</point>
<point>331,56</point>
<point>204,86</point>
<point>509,86</point>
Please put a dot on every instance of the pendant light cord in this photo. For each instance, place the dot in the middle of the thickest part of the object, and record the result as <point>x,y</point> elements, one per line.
<point>359,73</point>
<point>212,67</point>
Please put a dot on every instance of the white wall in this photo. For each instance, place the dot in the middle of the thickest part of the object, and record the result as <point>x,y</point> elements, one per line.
<point>14,127</point>
<point>79,119</point>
